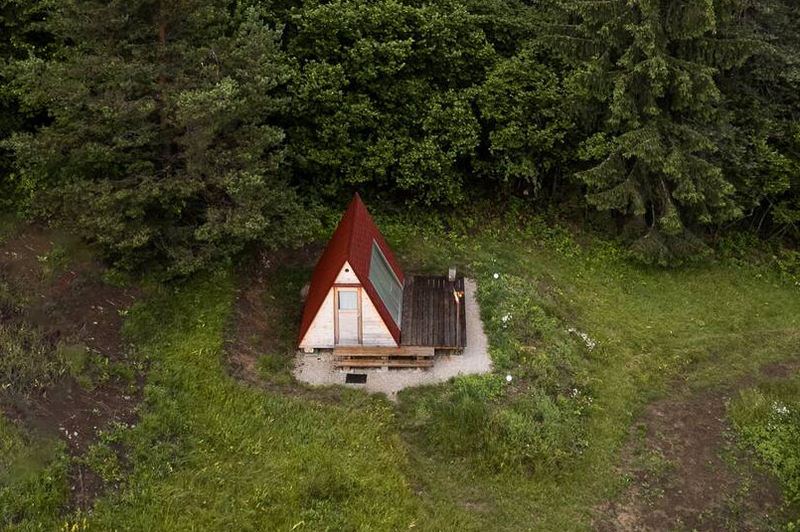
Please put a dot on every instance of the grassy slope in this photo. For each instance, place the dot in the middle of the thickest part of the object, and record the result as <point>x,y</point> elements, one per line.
<point>211,454</point>
<point>705,324</point>
<point>768,418</point>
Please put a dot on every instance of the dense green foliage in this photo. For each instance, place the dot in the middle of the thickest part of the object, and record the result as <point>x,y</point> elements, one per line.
<point>651,70</point>
<point>21,34</point>
<point>383,95</point>
<point>761,152</point>
<point>180,133</point>
<point>160,145</point>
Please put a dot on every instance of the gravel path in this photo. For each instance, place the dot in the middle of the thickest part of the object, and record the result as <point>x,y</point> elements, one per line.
<point>318,370</point>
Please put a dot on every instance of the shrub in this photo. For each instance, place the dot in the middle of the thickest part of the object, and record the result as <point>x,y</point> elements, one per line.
<point>479,418</point>
<point>455,423</point>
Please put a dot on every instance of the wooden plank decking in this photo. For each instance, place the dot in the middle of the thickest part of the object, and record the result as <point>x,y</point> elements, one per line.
<point>430,314</point>
<point>383,357</point>
<point>367,351</point>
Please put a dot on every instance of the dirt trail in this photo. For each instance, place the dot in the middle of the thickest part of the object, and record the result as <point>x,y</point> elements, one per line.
<point>686,471</point>
<point>69,305</point>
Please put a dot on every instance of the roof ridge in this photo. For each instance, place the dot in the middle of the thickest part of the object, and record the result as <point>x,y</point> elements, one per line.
<point>355,209</point>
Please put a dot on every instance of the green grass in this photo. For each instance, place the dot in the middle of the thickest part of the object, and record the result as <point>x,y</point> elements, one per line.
<point>27,361</point>
<point>33,480</point>
<point>768,419</point>
<point>705,325</point>
<point>211,454</point>
<point>476,454</point>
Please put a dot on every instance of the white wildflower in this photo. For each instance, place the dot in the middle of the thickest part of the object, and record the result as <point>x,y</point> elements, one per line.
<point>496,275</point>
<point>590,343</point>
<point>780,409</point>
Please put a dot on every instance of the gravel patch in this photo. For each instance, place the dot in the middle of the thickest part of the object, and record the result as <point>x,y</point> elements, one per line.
<point>318,369</point>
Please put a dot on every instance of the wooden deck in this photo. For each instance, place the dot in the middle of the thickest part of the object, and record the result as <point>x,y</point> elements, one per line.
<point>382,357</point>
<point>431,316</point>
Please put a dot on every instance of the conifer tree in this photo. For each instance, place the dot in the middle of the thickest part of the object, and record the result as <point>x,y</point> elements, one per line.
<point>648,69</point>
<point>761,153</point>
<point>161,145</point>
<point>21,34</point>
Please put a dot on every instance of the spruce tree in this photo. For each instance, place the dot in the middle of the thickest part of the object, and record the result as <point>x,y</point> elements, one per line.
<point>161,145</point>
<point>761,152</point>
<point>648,68</point>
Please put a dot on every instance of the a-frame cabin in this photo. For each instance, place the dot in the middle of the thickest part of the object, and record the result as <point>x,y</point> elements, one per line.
<point>361,305</point>
<point>356,292</point>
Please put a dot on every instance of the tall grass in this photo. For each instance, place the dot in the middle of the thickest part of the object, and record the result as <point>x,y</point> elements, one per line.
<point>27,360</point>
<point>33,480</point>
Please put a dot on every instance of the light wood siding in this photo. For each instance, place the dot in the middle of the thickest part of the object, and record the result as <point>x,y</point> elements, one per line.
<point>374,329</point>
<point>320,333</point>
<point>347,275</point>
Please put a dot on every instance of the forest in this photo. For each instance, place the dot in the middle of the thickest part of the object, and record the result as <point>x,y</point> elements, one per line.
<point>617,181</point>
<point>175,135</point>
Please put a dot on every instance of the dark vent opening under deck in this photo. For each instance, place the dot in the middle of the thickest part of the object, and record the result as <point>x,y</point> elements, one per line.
<point>355,378</point>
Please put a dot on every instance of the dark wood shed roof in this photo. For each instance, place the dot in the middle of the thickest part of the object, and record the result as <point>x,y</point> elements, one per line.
<point>431,316</point>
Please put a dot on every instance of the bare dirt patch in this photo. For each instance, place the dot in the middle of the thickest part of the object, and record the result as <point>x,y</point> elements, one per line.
<point>71,305</point>
<point>686,471</point>
<point>252,328</point>
<point>259,322</point>
<point>266,316</point>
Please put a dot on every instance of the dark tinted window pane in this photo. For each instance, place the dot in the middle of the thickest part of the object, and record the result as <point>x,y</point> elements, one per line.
<point>386,284</point>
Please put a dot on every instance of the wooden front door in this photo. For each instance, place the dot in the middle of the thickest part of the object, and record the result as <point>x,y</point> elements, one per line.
<point>348,316</point>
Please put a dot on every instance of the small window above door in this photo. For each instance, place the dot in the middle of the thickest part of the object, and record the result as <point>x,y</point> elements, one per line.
<point>348,300</point>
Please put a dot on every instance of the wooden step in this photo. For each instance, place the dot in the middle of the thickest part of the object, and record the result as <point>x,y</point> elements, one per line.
<point>364,351</point>
<point>391,363</point>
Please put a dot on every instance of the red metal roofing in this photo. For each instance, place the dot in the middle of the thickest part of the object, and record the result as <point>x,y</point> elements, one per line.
<point>351,242</point>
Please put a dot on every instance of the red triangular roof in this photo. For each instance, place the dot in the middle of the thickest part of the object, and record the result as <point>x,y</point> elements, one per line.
<point>351,242</point>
